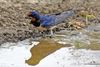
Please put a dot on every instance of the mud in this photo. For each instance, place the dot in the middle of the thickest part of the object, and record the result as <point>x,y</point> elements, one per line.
<point>13,25</point>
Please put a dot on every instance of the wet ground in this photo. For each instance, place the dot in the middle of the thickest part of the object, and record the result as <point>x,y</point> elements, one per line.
<point>80,48</point>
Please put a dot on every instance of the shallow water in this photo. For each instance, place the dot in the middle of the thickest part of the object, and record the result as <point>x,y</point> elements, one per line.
<point>81,39</point>
<point>43,49</point>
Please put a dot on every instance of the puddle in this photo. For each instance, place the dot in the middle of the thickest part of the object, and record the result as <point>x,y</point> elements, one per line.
<point>67,49</point>
<point>57,56</point>
<point>43,49</point>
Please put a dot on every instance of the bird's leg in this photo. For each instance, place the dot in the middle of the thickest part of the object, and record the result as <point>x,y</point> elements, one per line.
<point>51,32</point>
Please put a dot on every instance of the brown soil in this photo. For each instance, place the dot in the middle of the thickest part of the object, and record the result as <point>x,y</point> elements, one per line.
<point>13,13</point>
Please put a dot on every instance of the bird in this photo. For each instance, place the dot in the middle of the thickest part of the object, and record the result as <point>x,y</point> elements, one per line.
<point>48,22</point>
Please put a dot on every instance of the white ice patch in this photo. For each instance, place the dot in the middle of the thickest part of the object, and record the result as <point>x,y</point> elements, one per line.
<point>15,56</point>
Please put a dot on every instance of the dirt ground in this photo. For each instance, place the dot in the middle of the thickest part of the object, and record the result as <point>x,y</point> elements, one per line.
<point>13,25</point>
